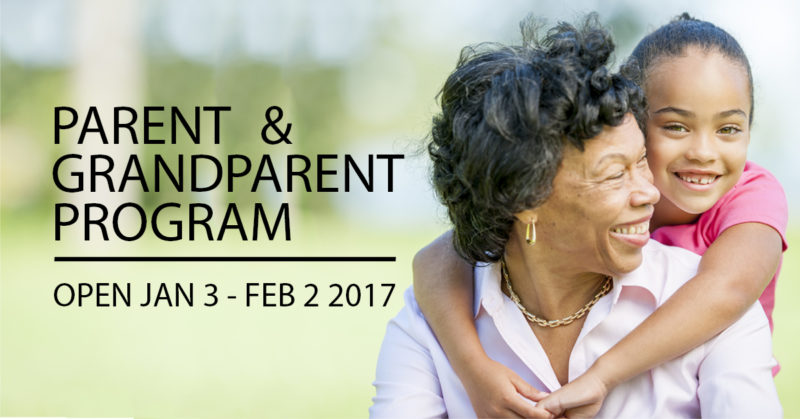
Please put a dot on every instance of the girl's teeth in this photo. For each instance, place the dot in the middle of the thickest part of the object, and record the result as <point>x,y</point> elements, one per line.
<point>697,180</point>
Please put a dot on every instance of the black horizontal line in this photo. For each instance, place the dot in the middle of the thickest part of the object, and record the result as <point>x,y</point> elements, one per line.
<point>224,259</point>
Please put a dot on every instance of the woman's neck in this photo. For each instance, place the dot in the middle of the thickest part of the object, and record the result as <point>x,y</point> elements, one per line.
<point>551,288</point>
<point>667,214</point>
<point>545,289</point>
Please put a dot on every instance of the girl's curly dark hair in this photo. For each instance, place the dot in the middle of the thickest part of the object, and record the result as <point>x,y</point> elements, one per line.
<point>507,114</point>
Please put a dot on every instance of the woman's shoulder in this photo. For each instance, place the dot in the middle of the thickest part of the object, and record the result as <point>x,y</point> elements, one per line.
<point>664,269</point>
<point>656,253</point>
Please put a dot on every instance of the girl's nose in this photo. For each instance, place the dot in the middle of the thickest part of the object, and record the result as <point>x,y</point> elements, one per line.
<point>701,149</point>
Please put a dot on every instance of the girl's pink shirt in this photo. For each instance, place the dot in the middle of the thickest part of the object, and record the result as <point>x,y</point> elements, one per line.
<point>757,198</point>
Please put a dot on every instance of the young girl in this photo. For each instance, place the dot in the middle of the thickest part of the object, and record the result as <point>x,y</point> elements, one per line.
<point>699,89</point>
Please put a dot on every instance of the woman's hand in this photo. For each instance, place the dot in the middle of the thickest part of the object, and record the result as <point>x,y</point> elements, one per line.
<point>581,398</point>
<point>497,392</point>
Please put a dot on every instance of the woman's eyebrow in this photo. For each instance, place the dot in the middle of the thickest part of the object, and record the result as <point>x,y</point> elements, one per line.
<point>679,111</point>
<point>615,156</point>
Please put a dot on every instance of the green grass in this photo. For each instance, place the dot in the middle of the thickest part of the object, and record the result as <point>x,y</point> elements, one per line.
<point>787,328</point>
<point>230,360</point>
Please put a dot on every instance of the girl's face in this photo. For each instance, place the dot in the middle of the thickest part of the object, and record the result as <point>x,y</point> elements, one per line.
<point>697,128</point>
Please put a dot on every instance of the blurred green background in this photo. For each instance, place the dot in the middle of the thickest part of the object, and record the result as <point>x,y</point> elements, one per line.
<point>354,76</point>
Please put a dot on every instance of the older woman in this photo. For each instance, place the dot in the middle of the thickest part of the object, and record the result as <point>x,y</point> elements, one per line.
<point>540,162</point>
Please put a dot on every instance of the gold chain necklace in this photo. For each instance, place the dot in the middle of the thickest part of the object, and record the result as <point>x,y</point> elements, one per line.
<point>607,285</point>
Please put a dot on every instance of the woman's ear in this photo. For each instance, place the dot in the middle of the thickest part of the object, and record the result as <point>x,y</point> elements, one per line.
<point>527,216</point>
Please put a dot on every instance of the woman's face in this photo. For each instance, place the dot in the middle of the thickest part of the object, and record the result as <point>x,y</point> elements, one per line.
<point>601,204</point>
<point>697,128</point>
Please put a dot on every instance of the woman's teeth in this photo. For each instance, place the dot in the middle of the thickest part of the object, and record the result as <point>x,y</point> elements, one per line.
<point>700,180</point>
<point>634,229</point>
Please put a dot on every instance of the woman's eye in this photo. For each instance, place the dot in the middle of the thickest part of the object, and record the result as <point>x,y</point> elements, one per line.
<point>643,159</point>
<point>616,176</point>
<point>729,130</point>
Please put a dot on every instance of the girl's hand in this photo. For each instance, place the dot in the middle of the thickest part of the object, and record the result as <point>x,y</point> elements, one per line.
<point>581,398</point>
<point>497,392</point>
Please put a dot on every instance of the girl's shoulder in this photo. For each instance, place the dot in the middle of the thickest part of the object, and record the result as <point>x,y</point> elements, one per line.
<point>756,187</point>
<point>757,197</point>
<point>755,173</point>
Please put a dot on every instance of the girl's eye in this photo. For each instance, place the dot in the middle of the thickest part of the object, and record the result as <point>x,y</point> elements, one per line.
<point>729,130</point>
<point>676,128</point>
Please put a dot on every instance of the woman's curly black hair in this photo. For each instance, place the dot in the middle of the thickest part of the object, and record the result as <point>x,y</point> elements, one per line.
<point>672,39</point>
<point>507,114</point>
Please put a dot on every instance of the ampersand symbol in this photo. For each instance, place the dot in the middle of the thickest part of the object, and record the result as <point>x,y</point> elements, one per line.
<point>271,123</point>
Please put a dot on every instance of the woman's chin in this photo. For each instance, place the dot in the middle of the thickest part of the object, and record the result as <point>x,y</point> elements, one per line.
<point>627,253</point>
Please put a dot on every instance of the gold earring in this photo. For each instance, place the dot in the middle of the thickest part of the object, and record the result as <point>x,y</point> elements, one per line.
<point>530,233</point>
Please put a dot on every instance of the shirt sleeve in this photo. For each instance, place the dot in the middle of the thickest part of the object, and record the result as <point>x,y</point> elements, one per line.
<point>406,383</point>
<point>757,198</point>
<point>735,377</point>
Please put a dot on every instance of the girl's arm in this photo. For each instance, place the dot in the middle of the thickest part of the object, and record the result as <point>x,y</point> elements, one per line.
<point>443,288</point>
<point>732,275</point>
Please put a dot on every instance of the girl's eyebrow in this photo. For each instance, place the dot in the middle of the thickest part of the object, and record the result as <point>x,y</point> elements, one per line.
<point>679,111</point>
<point>732,112</point>
<point>690,114</point>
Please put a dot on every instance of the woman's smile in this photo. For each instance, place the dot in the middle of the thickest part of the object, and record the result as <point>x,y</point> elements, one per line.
<point>636,233</point>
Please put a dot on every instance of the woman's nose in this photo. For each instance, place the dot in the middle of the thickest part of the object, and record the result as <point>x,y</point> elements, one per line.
<point>645,192</point>
<point>701,149</point>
